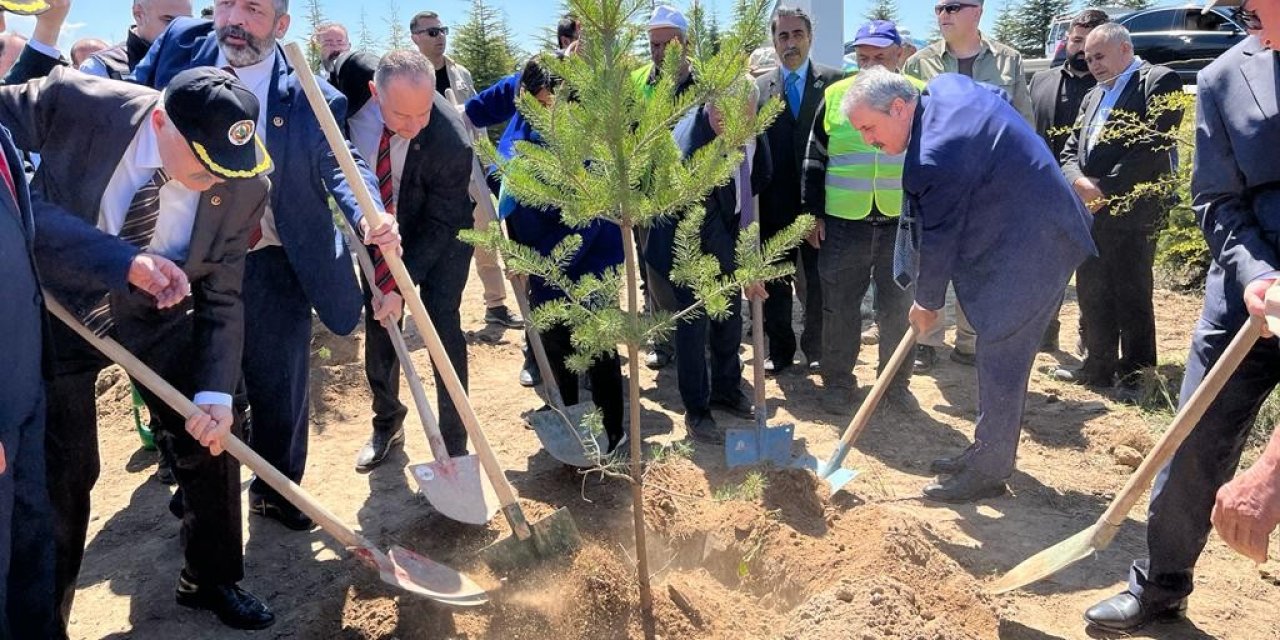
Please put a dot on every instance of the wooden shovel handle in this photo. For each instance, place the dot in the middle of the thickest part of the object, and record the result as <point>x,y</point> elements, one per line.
<point>418,311</point>
<point>757,343</point>
<point>234,446</point>
<point>1186,420</point>
<point>863,416</point>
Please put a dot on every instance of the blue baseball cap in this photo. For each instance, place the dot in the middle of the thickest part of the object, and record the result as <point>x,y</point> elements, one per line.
<point>877,33</point>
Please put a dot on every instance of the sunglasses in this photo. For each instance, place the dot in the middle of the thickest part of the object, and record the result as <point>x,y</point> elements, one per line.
<point>431,31</point>
<point>952,8</point>
<point>1247,19</point>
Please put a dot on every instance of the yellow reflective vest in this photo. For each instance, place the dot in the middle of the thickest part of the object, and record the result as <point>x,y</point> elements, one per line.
<point>858,175</point>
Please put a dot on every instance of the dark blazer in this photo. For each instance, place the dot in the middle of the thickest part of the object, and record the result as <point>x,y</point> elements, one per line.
<point>305,175</point>
<point>996,215</point>
<point>434,202</point>
<point>69,117</point>
<point>1056,97</point>
<point>788,143</point>
<point>1120,165</point>
<point>1235,185</point>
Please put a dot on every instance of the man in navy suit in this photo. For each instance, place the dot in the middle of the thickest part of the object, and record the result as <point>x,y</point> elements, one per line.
<point>992,213</point>
<point>1235,186</point>
<point>299,261</point>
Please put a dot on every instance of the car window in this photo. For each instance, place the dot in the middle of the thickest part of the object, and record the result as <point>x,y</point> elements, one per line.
<point>1151,21</point>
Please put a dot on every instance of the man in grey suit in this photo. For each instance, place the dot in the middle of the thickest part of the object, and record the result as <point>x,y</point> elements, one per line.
<point>182,177</point>
<point>1235,188</point>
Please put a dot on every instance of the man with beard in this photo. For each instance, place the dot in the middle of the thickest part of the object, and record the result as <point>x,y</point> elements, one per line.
<point>332,41</point>
<point>150,19</point>
<point>1056,95</point>
<point>296,260</point>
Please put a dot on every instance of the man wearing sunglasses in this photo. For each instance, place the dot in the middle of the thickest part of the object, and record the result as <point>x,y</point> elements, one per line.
<point>964,50</point>
<point>431,35</point>
<point>1235,188</point>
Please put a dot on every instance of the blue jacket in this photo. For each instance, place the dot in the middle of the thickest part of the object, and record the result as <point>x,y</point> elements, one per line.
<point>1235,183</point>
<point>997,216</point>
<point>542,229</point>
<point>306,173</point>
<point>496,105</point>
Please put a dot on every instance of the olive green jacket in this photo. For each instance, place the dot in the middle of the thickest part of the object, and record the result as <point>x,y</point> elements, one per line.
<point>996,65</point>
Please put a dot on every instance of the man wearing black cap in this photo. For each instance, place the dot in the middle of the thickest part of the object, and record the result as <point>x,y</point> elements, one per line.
<point>186,182</point>
<point>422,156</point>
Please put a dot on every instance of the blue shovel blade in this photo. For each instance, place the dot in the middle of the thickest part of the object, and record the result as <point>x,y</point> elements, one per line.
<point>741,447</point>
<point>836,478</point>
<point>775,445</point>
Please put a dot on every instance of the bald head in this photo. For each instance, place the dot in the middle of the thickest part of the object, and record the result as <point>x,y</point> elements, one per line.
<point>85,47</point>
<point>152,17</point>
<point>11,45</point>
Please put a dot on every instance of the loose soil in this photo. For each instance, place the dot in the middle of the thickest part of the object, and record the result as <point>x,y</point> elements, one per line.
<point>734,555</point>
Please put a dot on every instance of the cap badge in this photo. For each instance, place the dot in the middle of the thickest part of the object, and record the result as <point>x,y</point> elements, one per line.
<point>241,133</point>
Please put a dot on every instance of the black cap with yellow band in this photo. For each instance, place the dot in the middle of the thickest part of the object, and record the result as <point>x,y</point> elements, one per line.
<point>24,7</point>
<point>218,116</point>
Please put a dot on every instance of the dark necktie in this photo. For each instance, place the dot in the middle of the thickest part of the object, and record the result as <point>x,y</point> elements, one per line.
<point>906,246</point>
<point>386,189</point>
<point>138,229</point>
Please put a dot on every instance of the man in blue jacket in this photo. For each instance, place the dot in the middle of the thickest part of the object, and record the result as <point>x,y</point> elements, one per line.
<point>987,208</point>
<point>298,261</point>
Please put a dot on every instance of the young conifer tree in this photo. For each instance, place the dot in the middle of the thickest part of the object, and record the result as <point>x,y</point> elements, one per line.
<point>608,153</point>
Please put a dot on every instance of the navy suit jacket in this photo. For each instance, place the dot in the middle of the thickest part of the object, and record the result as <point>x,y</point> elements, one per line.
<point>1235,184</point>
<point>997,216</point>
<point>306,173</point>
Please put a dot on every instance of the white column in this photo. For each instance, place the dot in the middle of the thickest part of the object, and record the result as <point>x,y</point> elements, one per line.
<point>828,29</point>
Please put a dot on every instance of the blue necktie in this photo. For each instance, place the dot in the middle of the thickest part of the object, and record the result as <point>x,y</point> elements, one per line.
<point>906,246</point>
<point>793,93</point>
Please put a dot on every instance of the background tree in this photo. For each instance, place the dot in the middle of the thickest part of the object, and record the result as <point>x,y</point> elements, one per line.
<point>883,10</point>
<point>1025,25</point>
<point>397,27</point>
<point>365,40</point>
<point>315,18</point>
<point>1132,4</point>
<point>484,45</point>
<point>609,154</point>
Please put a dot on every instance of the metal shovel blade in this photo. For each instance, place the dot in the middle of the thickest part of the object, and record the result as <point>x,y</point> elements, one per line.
<point>835,477</point>
<point>748,446</point>
<point>566,437</point>
<point>457,488</point>
<point>418,574</point>
<point>556,534</point>
<point>1056,558</point>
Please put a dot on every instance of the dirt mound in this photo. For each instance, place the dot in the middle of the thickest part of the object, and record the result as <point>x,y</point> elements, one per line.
<point>871,608</point>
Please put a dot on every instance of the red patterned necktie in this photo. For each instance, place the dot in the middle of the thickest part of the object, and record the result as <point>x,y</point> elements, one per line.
<point>386,189</point>
<point>7,173</point>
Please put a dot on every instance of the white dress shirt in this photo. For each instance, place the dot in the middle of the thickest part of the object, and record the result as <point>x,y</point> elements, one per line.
<point>177,217</point>
<point>258,78</point>
<point>366,134</point>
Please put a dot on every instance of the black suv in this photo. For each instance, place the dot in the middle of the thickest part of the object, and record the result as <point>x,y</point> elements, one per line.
<point>1181,38</point>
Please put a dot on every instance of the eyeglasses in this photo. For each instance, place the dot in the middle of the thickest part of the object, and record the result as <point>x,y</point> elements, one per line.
<point>1247,19</point>
<point>432,31</point>
<point>951,8</point>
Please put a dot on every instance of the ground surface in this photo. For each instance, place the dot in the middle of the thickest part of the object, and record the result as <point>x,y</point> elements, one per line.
<point>782,560</point>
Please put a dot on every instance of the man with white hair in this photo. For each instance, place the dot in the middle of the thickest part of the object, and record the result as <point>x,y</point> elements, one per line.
<point>150,19</point>
<point>331,40</point>
<point>985,207</point>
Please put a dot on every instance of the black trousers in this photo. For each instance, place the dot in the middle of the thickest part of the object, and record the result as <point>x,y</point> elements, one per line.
<point>1115,289</point>
<point>778,310</point>
<point>441,290</point>
<point>605,374</point>
<point>210,485</point>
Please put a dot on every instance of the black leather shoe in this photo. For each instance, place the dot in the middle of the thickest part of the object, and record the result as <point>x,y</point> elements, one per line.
<point>1082,377</point>
<point>773,367</point>
<point>950,466</point>
<point>815,368</point>
<point>658,358</point>
<point>234,606</point>
<point>703,428</point>
<point>738,407</point>
<point>969,485</point>
<point>926,358</point>
<point>176,506</point>
<point>164,473</point>
<point>375,451</point>
<point>960,357</point>
<point>1124,612</point>
<point>282,512</point>
<point>501,315</point>
<point>900,398</point>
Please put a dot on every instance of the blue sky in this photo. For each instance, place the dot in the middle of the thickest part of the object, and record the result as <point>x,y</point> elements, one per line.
<point>109,19</point>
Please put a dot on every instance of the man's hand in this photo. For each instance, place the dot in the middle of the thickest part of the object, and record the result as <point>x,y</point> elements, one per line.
<point>921,318</point>
<point>1089,193</point>
<point>210,427</point>
<point>818,235</point>
<point>4,463</point>
<point>388,308</point>
<point>49,24</point>
<point>161,278</point>
<point>755,291</point>
<point>1248,510</point>
<point>1255,300</point>
<point>386,235</point>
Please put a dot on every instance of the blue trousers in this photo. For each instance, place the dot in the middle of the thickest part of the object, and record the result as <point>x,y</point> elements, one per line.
<point>277,358</point>
<point>1185,491</point>
<point>26,522</point>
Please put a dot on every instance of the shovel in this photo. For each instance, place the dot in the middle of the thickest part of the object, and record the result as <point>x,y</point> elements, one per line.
<point>1099,535</point>
<point>560,429</point>
<point>400,568</point>
<point>831,470</point>
<point>554,534</point>
<point>455,486</point>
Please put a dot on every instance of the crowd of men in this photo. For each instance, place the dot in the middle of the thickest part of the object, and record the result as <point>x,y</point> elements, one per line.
<point>204,243</point>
